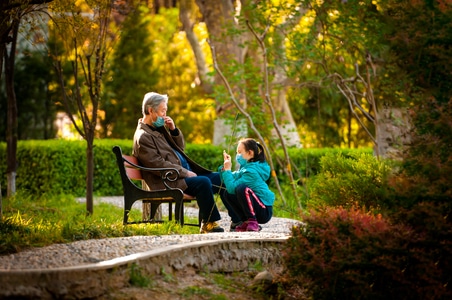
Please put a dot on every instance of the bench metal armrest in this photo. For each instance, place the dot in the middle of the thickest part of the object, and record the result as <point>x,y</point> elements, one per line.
<point>166,174</point>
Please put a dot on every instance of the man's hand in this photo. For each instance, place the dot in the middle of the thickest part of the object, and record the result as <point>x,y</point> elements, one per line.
<point>169,123</point>
<point>191,174</point>
<point>227,164</point>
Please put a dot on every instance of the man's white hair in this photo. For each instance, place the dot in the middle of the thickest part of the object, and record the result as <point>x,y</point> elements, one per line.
<point>152,100</point>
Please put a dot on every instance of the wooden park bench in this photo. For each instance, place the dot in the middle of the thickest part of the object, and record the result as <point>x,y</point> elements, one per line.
<point>131,171</point>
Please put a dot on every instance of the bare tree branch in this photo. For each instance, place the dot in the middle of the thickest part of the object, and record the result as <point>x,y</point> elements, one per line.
<point>269,104</point>
<point>248,118</point>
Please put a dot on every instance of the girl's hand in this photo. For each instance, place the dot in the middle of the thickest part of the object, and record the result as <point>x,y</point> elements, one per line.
<point>227,164</point>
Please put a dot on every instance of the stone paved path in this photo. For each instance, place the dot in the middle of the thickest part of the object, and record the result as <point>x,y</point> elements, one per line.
<point>94,251</point>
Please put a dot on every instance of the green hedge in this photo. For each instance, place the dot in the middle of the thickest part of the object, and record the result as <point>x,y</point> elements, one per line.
<point>307,161</point>
<point>59,166</point>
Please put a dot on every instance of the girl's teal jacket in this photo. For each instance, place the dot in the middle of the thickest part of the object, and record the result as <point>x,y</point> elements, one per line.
<point>254,175</point>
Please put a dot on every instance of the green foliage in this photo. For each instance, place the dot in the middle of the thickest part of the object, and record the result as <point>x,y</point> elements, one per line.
<point>358,180</point>
<point>31,221</point>
<point>306,162</point>
<point>420,37</point>
<point>331,40</point>
<point>208,156</point>
<point>137,278</point>
<point>350,254</point>
<point>59,166</point>
<point>46,166</point>
<point>192,110</point>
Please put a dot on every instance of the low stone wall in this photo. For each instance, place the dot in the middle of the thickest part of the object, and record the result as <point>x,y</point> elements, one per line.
<point>94,280</point>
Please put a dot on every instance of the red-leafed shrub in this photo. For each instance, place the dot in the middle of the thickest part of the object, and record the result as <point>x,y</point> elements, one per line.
<point>350,254</point>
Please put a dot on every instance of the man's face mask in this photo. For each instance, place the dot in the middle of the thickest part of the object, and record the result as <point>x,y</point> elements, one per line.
<point>159,122</point>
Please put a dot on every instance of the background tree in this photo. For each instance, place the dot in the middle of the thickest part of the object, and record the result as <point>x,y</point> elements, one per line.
<point>131,74</point>
<point>11,117</point>
<point>32,82</point>
<point>328,56</point>
<point>11,14</point>
<point>335,53</point>
<point>419,38</point>
<point>160,61</point>
<point>291,79</point>
<point>83,29</point>
<point>175,63</point>
<point>230,51</point>
<point>239,58</point>
<point>418,33</point>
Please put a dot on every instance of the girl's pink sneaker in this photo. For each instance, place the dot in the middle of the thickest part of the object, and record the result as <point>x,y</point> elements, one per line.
<point>242,227</point>
<point>252,225</point>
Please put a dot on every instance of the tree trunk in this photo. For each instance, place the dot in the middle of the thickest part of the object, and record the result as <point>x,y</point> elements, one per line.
<point>185,15</point>
<point>218,16</point>
<point>2,50</point>
<point>11,131</point>
<point>288,128</point>
<point>1,204</point>
<point>4,31</point>
<point>393,132</point>
<point>89,174</point>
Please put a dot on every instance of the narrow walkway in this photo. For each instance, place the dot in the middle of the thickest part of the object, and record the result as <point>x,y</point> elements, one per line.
<point>279,226</point>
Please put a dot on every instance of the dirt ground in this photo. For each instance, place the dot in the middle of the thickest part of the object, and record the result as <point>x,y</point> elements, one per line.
<point>234,286</point>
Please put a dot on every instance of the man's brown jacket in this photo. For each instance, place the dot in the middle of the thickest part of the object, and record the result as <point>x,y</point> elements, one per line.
<point>153,147</point>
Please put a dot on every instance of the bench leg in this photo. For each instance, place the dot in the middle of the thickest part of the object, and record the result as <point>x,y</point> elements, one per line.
<point>179,212</point>
<point>127,208</point>
<point>126,216</point>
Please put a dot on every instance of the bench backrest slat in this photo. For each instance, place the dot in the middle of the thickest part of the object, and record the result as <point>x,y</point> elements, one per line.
<point>131,171</point>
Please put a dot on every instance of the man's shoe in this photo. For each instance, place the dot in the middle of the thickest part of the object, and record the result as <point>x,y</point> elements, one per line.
<point>253,226</point>
<point>234,225</point>
<point>211,227</point>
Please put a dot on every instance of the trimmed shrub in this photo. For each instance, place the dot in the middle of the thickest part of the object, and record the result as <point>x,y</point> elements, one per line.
<point>357,180</point>
<point>306,162</point>
<point>59,166</point>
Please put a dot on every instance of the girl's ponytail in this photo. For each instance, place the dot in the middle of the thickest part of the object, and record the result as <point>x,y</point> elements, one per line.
<point>258,149</point>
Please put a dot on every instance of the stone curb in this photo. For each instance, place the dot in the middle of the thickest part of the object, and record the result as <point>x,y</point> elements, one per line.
<point>94,280</point>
